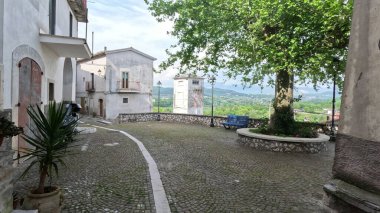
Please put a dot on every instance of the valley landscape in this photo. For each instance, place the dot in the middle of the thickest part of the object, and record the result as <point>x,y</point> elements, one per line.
<point>313,106</point>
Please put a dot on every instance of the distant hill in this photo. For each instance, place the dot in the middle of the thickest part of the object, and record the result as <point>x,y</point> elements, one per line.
<point>308,94</point>
<point>167,92</point>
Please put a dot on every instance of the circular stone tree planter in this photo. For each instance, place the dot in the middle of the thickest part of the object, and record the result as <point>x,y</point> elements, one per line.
<point>282,144</point>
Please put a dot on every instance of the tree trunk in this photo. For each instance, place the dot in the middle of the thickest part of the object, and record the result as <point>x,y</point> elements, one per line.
<point>282,120</point>
<point>41,185</point>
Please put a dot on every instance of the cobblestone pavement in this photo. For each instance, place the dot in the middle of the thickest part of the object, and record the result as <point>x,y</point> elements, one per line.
<point>205,170</point>
<point>103,178</point>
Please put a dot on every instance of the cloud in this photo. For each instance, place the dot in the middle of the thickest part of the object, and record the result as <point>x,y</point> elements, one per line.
<point>124,23</point>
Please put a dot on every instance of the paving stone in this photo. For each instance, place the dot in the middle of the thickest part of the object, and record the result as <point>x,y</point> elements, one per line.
<point>200,166</point>
<point>202,169</point>
<point>103,178</point>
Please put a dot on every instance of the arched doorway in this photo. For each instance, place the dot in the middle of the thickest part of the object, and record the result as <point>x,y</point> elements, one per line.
<point>29,92</point>
<point>67,88</point>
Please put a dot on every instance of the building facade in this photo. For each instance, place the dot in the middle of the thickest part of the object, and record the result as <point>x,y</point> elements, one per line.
<point>114,82</point>
<point>188,94</point>
<point>38,46</point>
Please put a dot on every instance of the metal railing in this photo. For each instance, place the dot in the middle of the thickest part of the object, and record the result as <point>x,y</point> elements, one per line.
<point>90,87</point>
<point>128,86</point>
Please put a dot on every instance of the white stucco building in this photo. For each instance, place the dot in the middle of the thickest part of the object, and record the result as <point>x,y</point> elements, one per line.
<point>188,94</point>
<point>114,82</point>
<point>38,53</point>
<point>39,45</point>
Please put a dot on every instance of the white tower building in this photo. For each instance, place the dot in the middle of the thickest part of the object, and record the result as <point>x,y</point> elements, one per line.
<point>188,94</point>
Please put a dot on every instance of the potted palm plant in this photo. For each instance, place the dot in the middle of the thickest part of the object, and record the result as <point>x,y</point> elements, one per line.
<point>8,129</point>
<point>51,138</point>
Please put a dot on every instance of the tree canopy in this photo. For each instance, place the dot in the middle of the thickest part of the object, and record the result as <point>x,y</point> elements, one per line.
<point>258,38</point>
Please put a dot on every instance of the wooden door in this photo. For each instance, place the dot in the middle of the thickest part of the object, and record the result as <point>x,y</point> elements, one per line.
<point>29,93</point>
<point>101,107</point>
<point>82,103</point>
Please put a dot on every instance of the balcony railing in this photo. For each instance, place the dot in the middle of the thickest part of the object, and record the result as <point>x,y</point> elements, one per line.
<point>128,87</point>
<point>90,87</point>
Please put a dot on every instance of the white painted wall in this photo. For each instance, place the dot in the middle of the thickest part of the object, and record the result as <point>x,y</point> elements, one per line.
<point>1,87</point>
<point>84,71</point>
<point>23,21</point>
<point>92,98</point>
<point>140,69</point>
<point>19,30</point>
<point>137,103</point>
<point>62,19</point>
<point>181,96</point>
<point>195,96</point>
<point>187,96</point>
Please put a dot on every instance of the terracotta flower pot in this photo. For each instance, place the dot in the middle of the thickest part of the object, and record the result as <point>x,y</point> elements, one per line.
<point>50,202</point>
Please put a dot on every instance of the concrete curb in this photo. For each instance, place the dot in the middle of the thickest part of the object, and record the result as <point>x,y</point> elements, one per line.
<point>246,132</point>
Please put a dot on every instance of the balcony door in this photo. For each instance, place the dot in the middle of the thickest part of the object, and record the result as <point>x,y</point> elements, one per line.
<point>101,107</point>
<point>124,81</point>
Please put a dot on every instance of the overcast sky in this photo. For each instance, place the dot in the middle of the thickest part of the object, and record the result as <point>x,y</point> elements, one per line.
<point>128,23</point>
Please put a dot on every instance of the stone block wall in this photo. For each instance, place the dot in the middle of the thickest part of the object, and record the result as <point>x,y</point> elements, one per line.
<point>281,146</point>
<point>6,172</point>
<point>181,118</point>
<point>198,119</point>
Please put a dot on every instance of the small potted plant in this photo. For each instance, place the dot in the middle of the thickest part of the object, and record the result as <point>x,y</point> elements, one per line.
<point>51,139</point>
<point>8,129</point>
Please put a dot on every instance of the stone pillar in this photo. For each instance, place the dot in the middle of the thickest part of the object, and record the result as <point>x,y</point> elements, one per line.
<point>356,171</point>
<point>6,172</point>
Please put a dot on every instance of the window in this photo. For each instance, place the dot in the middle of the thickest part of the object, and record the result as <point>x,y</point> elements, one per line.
<point>125,100</point>
<point>71,25</point>
<point>196,82</point>
<point>124,81</point>
<point>51,91</point>
<point>52,10</point>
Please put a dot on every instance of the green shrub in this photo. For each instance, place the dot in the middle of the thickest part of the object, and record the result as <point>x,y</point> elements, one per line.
<point>282,121</point>
<point>8,128</point>
<point>298,130</point>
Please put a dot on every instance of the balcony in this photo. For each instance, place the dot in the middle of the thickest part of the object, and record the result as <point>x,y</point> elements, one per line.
<point>90,87</point>
<point>128,87</point>
<point>79,8</point>
<point>65,46</point>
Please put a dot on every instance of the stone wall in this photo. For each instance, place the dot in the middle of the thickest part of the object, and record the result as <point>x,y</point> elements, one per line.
<point>6,172</point>
<point>282,146</point>
<point>180,118</point>
<point>199,119</point>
